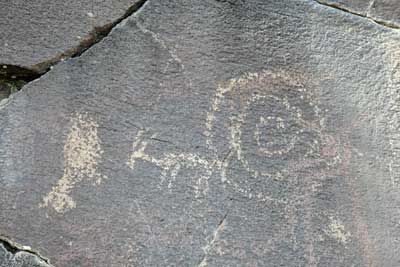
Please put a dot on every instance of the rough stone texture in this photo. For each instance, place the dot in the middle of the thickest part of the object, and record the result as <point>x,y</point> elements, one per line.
<point>386,10</point>
<point>212,133</point>
<point>383,11</point>
<point>35,34</point>
<point>359,6</point>
<point>19,259</point>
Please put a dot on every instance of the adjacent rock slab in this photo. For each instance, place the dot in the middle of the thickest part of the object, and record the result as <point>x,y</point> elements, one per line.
<point>35,34</point>
<point>19,258</point>
<point>386,10</point>
<point>212,133</point>
<point>383,11</point>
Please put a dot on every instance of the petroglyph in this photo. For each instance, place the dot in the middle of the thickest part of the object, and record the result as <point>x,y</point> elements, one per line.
<point>161,42</point>
<point>273,127</point>
<point>82,152</point>
<point>337,231</point>
<point>268,121</point>
<point>212,243</point>
<point>264,133</point>
<point>170,164</point>
<point>271,119</point>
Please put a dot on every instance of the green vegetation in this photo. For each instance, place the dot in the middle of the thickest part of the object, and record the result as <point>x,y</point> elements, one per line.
<point>9,86</point>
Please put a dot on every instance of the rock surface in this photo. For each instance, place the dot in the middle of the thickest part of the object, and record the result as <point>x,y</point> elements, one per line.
<point>37,34</point>
<point>212,133</point>
<point>383,11</point>
<point>12,257</point>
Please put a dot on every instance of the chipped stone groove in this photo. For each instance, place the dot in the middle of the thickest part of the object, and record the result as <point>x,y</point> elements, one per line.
<point>14,248</point>
<point>210,245</point>
<point>12,72</point>
<point>366,15</point>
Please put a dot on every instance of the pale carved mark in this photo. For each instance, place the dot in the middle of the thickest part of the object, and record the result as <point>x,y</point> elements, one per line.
<point>270,125</point>
<point>171,51</point>
<point>370,5</point>
<point>390,102</point>
<point>212,242</point>
<point>171,163</point>
<point>274,128</point>
<point>264,122</point>
<point>337,230</point>
<point>276,132</point>
<point>82,152</point>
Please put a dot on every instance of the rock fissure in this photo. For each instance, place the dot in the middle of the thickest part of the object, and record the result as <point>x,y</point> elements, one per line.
<point>14,248</point>
<point>13,78</point>
<point>366,15</point>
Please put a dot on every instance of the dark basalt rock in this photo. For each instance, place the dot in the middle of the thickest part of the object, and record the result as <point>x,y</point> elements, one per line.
<point>37,34</point>
<point>211,133</point>
<point>386,12</point>
<point>9,257</point>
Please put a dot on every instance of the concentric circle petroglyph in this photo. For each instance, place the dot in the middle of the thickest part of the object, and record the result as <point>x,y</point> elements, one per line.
<point>263,122</point>
<point>268,135</point>
<point>267,119</point>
